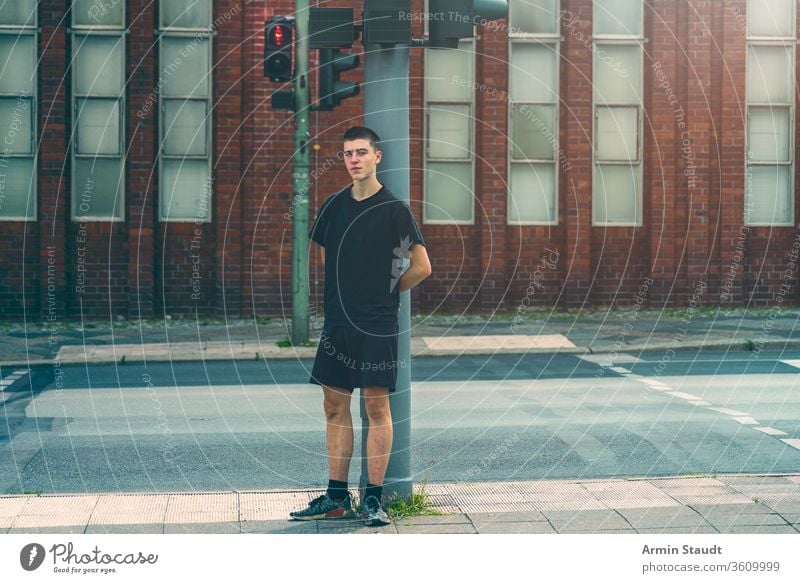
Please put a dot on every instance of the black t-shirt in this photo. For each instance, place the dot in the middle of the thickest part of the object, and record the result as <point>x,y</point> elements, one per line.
<point>365,245</point>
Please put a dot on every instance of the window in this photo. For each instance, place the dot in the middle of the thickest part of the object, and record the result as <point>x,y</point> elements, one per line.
<point>18,58</point>
<point>533,112</point>
<point>618,74</point>
<point>185,111</point>
<point>769,183</point>
<point>98,111</point>
<point>449,135</point>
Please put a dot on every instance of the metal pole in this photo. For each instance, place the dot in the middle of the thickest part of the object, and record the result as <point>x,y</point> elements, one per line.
<point>300,179</point>
<point>386,112</point>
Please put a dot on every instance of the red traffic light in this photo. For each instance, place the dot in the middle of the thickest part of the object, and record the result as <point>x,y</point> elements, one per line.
<point>280,35</point>
<point>278,48</point>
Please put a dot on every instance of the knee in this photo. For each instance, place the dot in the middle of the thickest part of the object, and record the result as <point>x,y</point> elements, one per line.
<point>336,409</point>
<point>378,410</point>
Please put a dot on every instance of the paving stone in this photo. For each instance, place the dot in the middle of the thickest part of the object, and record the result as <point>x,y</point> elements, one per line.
<point>597,531</point>
<point>587,520</point>
<point>679,530</point>
<point>515,528</point>
<point>492,517</point>
<point>437,529</point>
<point>746,520</point>
<point>339,523</point>
<point>130,509</point>
<point>203,528</point>
<point>722,509</point>
<point>361,529</point>
<point>125,529</point>
<point>446,519</point>
<point>48,530</point>
<point>756,481</point>
<point>278,527</point>
<point>768,529</point>
<point>785,507</point>
<point>662,517</point>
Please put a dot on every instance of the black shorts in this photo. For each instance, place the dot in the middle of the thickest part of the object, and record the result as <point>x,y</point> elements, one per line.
<point>349,358</point>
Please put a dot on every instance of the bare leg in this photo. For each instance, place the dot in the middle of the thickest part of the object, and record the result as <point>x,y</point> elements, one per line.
<point>379,438</point>
<point>339,432</point>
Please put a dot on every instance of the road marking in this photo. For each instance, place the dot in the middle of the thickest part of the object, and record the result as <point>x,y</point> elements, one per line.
<point>738,416</point>
<point>656,384</point>
<point>731,412</point>
<point>794,363</point>
<point>620,370</point>
<point>770,430</point>
<point>793,442</point>
<point>685,396</point>
<point>605,359</point>
<point>659,387</point>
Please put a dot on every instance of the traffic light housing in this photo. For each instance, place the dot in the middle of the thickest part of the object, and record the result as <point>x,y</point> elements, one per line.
<point>332,90</point>
<point>278,43</point>
<point>451,20</point>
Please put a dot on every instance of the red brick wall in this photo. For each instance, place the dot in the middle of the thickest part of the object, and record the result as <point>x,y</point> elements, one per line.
<point>694,75</point>
<point>53,180</point>
<point>575,198</point>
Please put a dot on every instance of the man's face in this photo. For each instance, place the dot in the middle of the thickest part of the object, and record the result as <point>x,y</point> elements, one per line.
<point>360,159</point>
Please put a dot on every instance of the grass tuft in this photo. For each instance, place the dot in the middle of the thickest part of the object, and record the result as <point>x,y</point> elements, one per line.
<point>418,504</point>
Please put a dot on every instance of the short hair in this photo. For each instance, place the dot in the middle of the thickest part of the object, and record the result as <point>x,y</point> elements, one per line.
<point>362,133</point>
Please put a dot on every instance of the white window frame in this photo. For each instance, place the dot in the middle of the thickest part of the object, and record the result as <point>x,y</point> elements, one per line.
<point>767,41</point>
<point>599,41</point>
<point>426,126</point>
<point>120,33</point>
<point>31,30</point>
<point>205,33</point>
<point>553,40</point>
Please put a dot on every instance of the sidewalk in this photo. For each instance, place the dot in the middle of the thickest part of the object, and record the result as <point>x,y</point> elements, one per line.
<point>625,330</point>
<point>698,505</point>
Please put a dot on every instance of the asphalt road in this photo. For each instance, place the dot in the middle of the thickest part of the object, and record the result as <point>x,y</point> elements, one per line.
<point>249,425</point>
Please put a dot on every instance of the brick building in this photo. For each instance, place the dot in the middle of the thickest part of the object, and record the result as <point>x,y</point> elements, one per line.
<point>581,152</point>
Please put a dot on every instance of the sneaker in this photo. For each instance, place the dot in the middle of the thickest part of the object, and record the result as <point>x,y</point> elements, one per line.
<point>373,513</point>
<point>325,507</point>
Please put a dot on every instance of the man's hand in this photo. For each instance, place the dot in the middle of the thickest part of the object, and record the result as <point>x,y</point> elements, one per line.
<point>420,268</point>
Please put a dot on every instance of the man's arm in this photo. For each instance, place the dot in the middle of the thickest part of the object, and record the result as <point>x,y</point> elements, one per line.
<point>322,254</point>
<point>419,269</point>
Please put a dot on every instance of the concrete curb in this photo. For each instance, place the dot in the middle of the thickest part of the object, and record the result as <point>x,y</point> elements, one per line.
<point>165,354</point>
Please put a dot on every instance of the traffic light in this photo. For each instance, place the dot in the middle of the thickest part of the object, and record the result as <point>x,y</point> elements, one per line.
<point>331,90</point>
<point>278,38</point>
<point>451,20</point>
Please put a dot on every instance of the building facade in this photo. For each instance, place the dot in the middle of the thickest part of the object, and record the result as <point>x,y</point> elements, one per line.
<point>578,153</point>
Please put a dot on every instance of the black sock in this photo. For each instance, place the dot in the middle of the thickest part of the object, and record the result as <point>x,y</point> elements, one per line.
<point>373,490</point>
<point>337,490</point>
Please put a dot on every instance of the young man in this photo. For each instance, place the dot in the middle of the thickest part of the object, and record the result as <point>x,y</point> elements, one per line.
<point>365,233</point>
